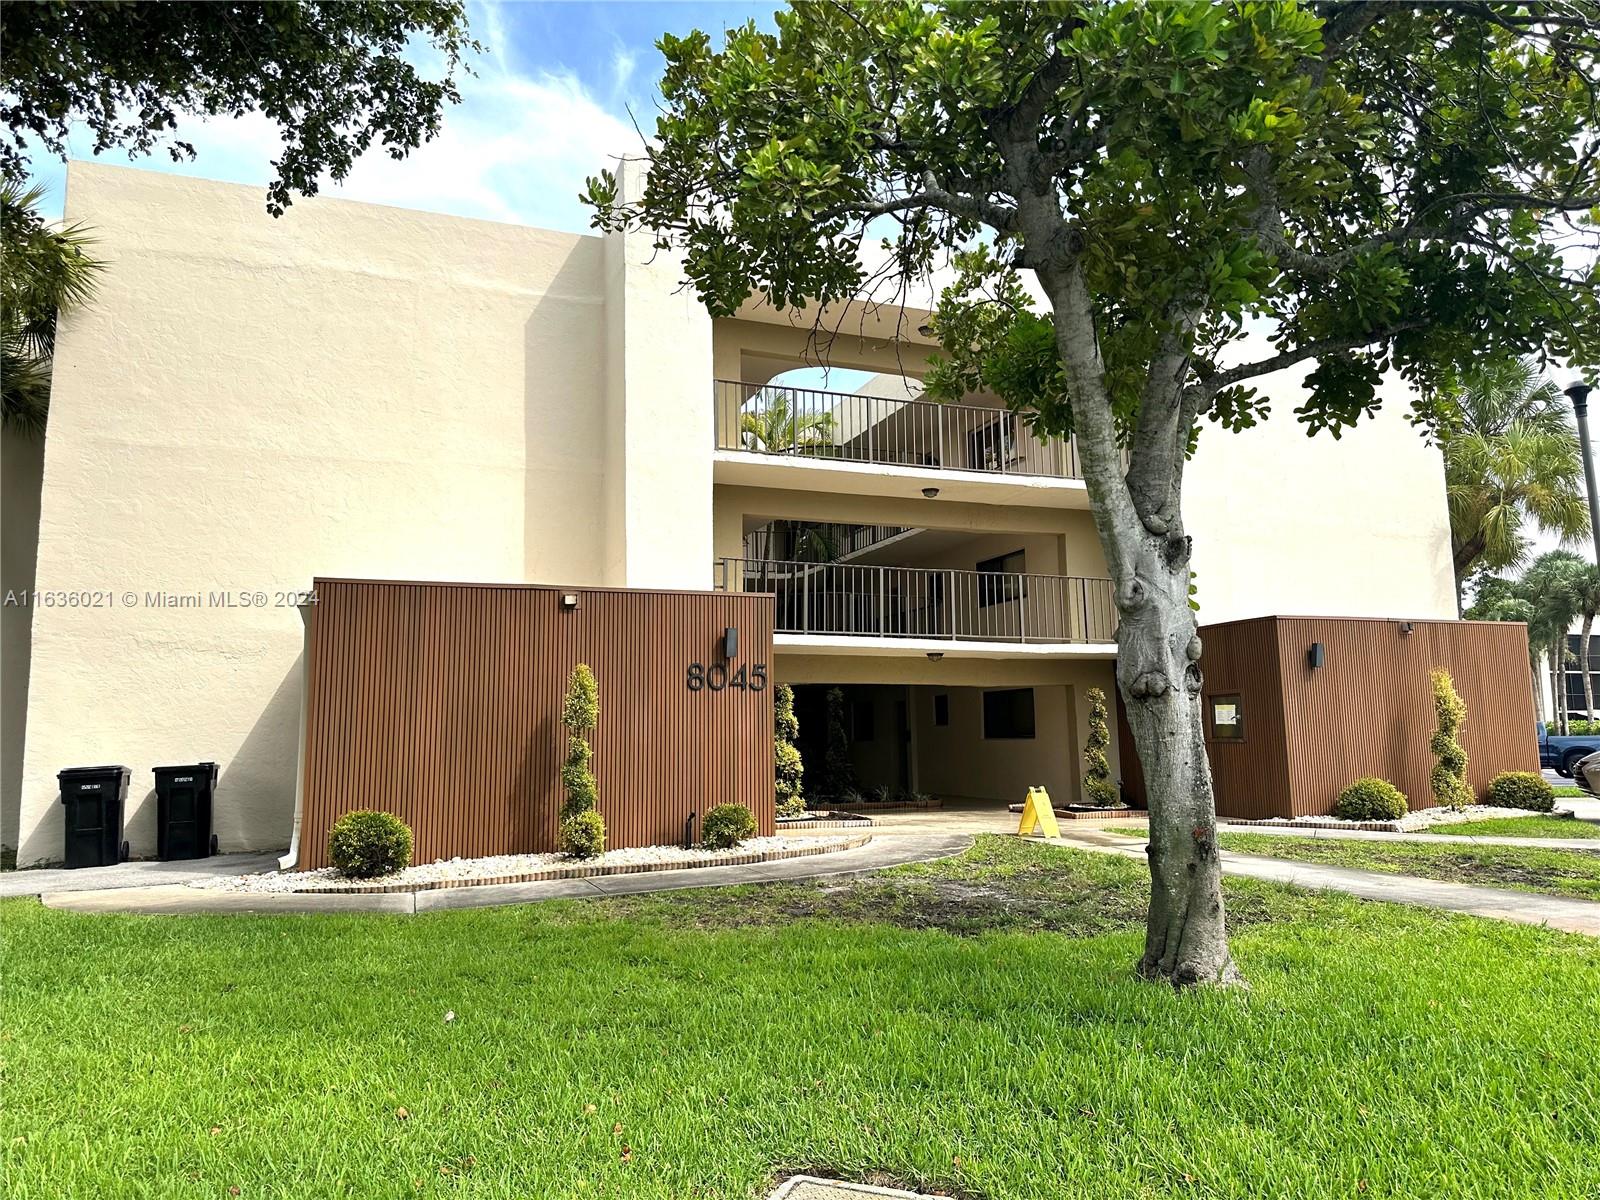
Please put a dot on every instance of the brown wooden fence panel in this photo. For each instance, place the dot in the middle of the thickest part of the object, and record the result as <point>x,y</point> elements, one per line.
<point>441,703</point>
<point>1369,709</point>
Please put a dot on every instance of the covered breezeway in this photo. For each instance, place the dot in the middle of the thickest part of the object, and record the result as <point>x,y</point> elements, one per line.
<point>959,729</point>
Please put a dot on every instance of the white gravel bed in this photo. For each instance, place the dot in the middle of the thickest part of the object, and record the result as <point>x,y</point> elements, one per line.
<point>1421,818</point>
<point>501,865</point>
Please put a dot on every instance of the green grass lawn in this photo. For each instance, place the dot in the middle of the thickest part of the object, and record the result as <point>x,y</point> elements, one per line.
<point>1524,868</point>
<point>1543,827</point>
<point>971,1026</point>
<point>1569,791</point>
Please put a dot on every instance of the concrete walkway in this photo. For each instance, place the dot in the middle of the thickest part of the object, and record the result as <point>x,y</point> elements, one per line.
<point>172,899</point>
<point>47,880</point>
<point>1527,908</point>
<point>1416,835</point>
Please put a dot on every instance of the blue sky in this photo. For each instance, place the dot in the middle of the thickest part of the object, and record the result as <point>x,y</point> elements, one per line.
<point>549,104</point>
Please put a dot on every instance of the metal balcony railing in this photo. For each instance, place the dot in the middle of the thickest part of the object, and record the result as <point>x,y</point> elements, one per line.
<point>816,541</point>
<point>923,602</point>
<point>845,426</point>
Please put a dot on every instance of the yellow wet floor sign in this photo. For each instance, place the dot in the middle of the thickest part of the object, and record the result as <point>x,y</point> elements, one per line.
<point>1038,812</point>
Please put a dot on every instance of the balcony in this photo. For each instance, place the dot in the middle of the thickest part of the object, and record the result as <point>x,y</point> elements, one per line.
<point>818,427</point>
<point>928,604</point>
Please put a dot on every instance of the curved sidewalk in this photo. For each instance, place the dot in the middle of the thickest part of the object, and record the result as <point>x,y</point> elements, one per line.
<point>1526,908</point>
<point>176,900</point>
<point>1426,836</point>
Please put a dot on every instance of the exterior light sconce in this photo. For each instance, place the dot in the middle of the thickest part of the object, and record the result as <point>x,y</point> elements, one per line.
<point>1407,628</point>
<point>569,600</point>
<point>730,643</point>
<point>1316,656</point>
<point>935,655</point>
<point>930,492</point>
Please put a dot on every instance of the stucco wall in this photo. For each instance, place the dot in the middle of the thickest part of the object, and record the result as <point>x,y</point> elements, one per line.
<point>1286,524</point>
<point>349,391</point>
<point>21,475</point>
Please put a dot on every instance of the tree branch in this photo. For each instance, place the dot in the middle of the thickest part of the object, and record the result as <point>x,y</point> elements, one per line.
<point>1213,382</point>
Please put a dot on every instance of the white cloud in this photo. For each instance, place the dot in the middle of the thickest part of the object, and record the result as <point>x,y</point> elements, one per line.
<point>517,148</point>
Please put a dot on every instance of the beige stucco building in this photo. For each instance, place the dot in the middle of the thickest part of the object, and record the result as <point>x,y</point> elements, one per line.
<point>360,391</point>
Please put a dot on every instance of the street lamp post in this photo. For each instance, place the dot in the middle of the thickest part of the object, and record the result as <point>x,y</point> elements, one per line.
<point>1579,394</point>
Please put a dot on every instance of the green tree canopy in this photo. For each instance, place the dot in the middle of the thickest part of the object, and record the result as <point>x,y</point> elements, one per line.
<point>334,77</point>
<point>1368,187</point>
<point>43,271</point>
<point>1511,460</point>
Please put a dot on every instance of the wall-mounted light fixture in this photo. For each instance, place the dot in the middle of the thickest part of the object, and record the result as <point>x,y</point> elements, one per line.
<point>569,600</point>
<point>1316,656</point>
<point>730,642</point>
<point>935,655</point>
<point>1407,628</point>
<point>930,492</point>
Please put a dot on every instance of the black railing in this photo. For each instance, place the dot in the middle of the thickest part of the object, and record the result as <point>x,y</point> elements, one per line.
<point>846,426</point>
<point>816,541</point>
<point>924,602</point>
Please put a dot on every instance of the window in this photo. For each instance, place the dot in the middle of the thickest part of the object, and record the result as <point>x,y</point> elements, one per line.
<point>1008,584</point>
<point>1227,719</point>
<point>1008,714</point>
<point>861,721</point>
<point>941,709</point>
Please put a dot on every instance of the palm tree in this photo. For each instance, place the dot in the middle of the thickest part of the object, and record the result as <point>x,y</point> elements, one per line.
<point>779,425</point>
<point>1586,591</point>
<point>1550,586</point>
<point>1510,459</point>
<point>45,272</point>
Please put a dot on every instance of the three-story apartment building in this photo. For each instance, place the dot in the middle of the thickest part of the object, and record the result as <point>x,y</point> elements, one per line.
<point>359,391</point>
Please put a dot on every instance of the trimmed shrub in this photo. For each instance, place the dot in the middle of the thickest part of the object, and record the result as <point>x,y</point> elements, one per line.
<point>725,826</point>
<point>1370,799</point>
<point>365,844</point>
<point>583,834</point>
<point>1521,789</point>
<point>1097,786</point>
<point>1448,779</point>
<point>788,769</point>
<point>838,772</point>
<point>580,710</point>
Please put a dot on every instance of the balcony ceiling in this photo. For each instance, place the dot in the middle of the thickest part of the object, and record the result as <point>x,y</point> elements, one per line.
<point>744,469</point>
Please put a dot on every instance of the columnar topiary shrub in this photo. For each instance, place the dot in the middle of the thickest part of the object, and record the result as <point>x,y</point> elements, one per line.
<point>364,844</point>
<point>787,766</point>
<point>1449,776</point>
<point>838,772</point>
<point>1097,786</point>
<point>1521,789</point>
<point>583,832</point>
<point>725,826</point>
<point>1370,799</point>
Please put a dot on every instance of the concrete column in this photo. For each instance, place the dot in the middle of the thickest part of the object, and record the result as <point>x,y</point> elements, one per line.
<point>657,526</point>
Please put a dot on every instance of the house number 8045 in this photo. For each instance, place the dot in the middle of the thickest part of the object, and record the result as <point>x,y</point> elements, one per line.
<point>716,677</point>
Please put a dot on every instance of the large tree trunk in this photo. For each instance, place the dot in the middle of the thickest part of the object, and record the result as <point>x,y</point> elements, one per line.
<point>1158,673</point>
<point>1139,524</point>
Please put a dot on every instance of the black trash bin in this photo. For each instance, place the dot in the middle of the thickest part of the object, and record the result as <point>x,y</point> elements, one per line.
<point>94,796</point>
<point>183,811</point>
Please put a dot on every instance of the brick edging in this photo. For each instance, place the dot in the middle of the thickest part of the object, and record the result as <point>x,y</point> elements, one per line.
<point>827,823</point>
<point>550,873</point>
<point>1363,826</point>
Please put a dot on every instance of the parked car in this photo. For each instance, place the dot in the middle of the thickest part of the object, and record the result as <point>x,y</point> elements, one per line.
<point>1588,774</point>
<point>1563,753</point>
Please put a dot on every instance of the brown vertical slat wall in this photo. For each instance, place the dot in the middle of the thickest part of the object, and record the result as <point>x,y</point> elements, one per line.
<point>441,703</point>
<point>1369,710</point>
<point>1250,777</point>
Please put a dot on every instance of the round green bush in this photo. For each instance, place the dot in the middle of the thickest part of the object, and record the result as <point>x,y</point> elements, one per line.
<point>1521,789</point>
<point>583,834</point>
<point>365,844</point>
<point>1370,799</point>
<point>725,826</point>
